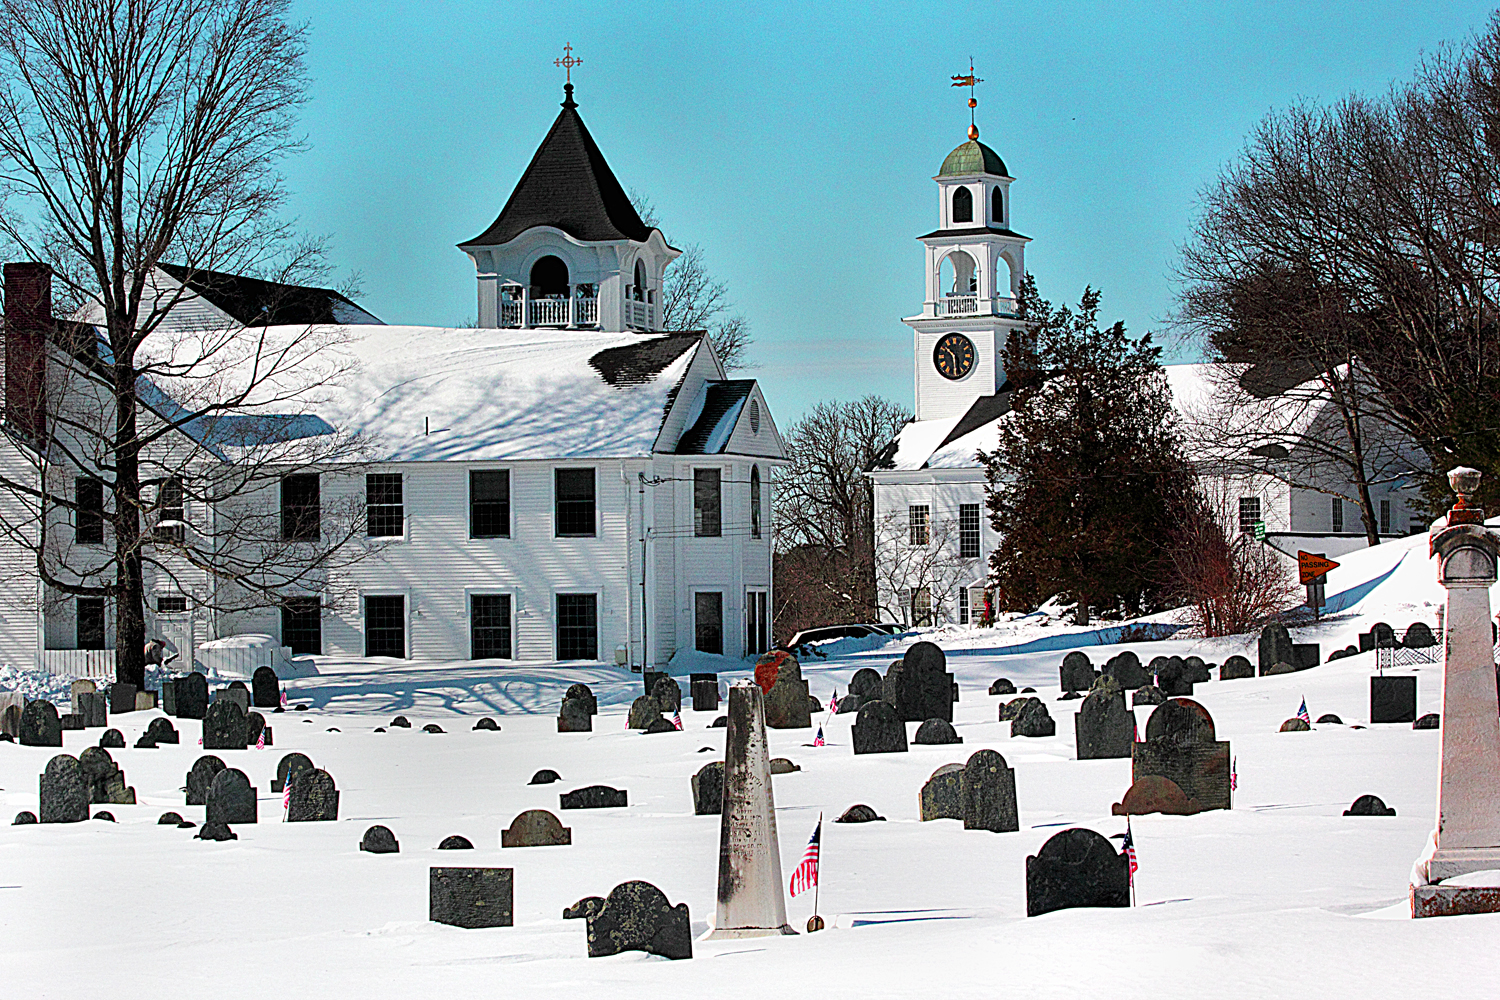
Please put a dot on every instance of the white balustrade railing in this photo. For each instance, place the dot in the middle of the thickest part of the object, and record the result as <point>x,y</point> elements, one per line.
<point>549,312</point>
<point>510,313</point>
<point>640,315</point>
<point>958,305</point>
<point>586,313</point>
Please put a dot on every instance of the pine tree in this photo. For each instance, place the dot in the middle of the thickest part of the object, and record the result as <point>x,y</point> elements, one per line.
<point>1088,480</point>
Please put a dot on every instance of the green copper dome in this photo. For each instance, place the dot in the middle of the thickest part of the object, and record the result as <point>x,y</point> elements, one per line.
<point>973,157</point>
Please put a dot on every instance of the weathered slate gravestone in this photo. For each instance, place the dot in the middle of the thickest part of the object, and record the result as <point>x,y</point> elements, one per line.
<point>594,797</point>
<point>649,679</point>
<point>878,729</point>
<point>1076,672</point>
<point>1155,794</point>
<point>866,684</point>
<point>1330,719</point>
<point>1294,726</point>
<point>94,708</point>
<point>585,694</point>
<point>1180,745</point>
<point>431,727</point>
<point>1002,686</point>
<point>237,693</point>
<point>169,696</point>
<point>668,694</point>
<point>287,769</point>
<point>455,843</point>
<point>988,786</point>
<point>1393,698</point>
<point>190,696</point>
<point>719,723</point>
<point>708,789</point>
<point>1076,867</point>
<point>575,716</point>
<point>584,908</point>
<point>112,739</point>
<point>216,831</point>
<point>1306,654</point>
<point>860,813</point>
<point>202,775</point>
<point>1196,671</point>
<point>168,819</point>
<point>787,701</point>
<point>1429,721</point>
<point>705,692</point>
<point>1125,667</point>
<point>105,780</point>
<point>536,828</point>
<point>1236,668</point>
<point>1382,636</point>
<point>121,698</point>
<point>1275,646</point>
<point>145,701</point>
<point>849,704</point>
<point>658,725</point>
<point>400,722</point>
<point>63,791</point>
<point>942,797</point>
<point>314,798</point>
<point>265,690</point>
<point>12,705</point>
<point>1033,720</point>
<point>1419,636</point>
<point>40,725</point>
<point>919,685</point>
<point>643,711</point>
<point>77,688</point>
<point>1013,708</point>
<point>255,724</point>
<point>71,722</point>
<point>636,917</point>
<point>380,840</point>
<point>545,776</point>
<point>24,818</point>
<point>783,765</point>
<point>1172,677</point>
<point>936,732</point>
<point>1148,695</point>
<point>1369,805</point>
<point>224,726</point>
<point>1103,727</point>
<point>231,798</point>
<point>470,897</point>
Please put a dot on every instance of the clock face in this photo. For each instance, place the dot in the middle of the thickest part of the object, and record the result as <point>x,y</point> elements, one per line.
<point>953,356</point>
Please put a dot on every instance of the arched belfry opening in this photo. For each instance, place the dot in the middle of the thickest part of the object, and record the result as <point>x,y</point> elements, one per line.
<point>639,291</point>
<point>997,206</point>
<point>549,278</point>
<point>963,205</point>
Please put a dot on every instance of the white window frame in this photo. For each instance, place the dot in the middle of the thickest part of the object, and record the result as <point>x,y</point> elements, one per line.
<point>510,522</point>
<point>552,615</point>
<point>407,605</point>
<point>405,509</point>
<point>515,613</point>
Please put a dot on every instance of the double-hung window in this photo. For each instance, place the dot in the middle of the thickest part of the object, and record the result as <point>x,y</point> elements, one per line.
<point>301,508</point>
<point>489,503</point>
<point>919,524</point>
<point>385,511</point>
<point>968,531</point>
<point>574,499</point>
<point>88,520</point>
<point>707,491</point>
<point>171,510</point>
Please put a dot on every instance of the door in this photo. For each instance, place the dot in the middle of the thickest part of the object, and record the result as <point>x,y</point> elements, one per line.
<point>385,626</point>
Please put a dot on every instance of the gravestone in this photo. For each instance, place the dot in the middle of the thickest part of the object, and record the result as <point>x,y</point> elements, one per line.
<point>202,775</point>
<point>649,679</point>
<point>637,917</point>
<point>287,769</point>
<point>878,729</point>
<point>400,722</point>
<point>1076,867</point>
<point>455,843</point>
<point>1236,668</point>
<point>94,708</point>
<point>1180,744</point>
<point>1033,720</point>
<point>191,698</point>
<point>1196,671</point>
<point>575,716</point>
<point>168,819</point>
<point>40,725</point>
<point>536,828</point>
<point>169,696</point>
<point>63,792</point>
<point>1275,646</point>
<point>705,692</point>
<point>1429,721</point>
<point>584,908</point>
<point>1002,686</point>
<point>1103,727</point>
<point>105,780</point>
<point>11,707</point>
<point>470,897</point>
<point>1278,668</point>
<point>1148,695</point>
<point>255,724</point>
<point>1125,667</point>
<point>1418,636</point>
<point>1382,636</point>
<point>594,797</point>
<point>25,818</point>
<point>145,701</point>
<point>1294,726</point>
<point>658,725</point>
<point>77,688</point>
<point>1076,672</point>
<point>942,797</point>
<point>1172,678</point>
<point>860,813</point>
<point>708,789</point>
<point>936,732</point>
<point>224,725</point>
<point>231,798</point>
<point>1331,719</point>
<point>583,693</point>
<point>431,727</point>
<point>314,798</point>
<point>989,794</point>
<point>71,722</point>
<point>919,685</point>
<point>668,694</point>
<point>121,698</point>
<point>380,840</point>
<point>848,704</point>
<point>866,683</point>
<point>783,765</point>
<point>814,706</point>
<point>236,691</point>
<point>112,739</point>
<point>216,831</point>
<point>265,691</point>
<point>1306,654</point>
<point>786,703</point>
<point>643,711</point>
<point>1393,699</point>
<point>487,725</point>
<point>1013,708</point>
<point>1369,805</point>
<point>545,776</point>
<point>1155,794</point>
<point>719,723</point>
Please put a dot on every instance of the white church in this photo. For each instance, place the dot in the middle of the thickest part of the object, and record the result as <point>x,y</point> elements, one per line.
<point>567,481</point>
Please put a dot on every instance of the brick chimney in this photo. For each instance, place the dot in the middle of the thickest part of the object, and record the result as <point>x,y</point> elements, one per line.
<point>28,322</point>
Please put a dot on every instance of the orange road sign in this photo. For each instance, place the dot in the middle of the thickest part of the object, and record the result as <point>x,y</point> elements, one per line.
<point>1310,566</point>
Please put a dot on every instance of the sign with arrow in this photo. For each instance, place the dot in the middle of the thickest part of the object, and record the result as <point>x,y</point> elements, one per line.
<point>1311,565</point>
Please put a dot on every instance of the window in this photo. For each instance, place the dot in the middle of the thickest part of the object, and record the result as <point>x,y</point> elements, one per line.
<point>757,622</point>
<point>90,623</point>
<point>921,606</point>
<point>385,626</point>
<point>88,521</point>
<point>170,507</point>
<point>754,416</point>
<point>300,508</point>
<point>919,526</point>
<point>489,626</point>
<point>968,531</point>
<point>385,513</point>
<point>963,205</point>
<point>1249,514</point>
<point>706,503</point>
<point>302,625</point>
<point>1414,525</point>
<point>1385,517</point>
<point>708,622</point>
<point>963,605</point>
<point>489,503</point>
<point>640,281</point>
<point>577,626</point>
<point>575,504</point>
<point>997,206</point>
<point>175,605</point>
<point>754,501</point>
<point>1338,515</point>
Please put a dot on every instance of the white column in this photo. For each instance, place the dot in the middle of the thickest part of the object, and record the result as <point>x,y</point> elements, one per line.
<point>572,306</point>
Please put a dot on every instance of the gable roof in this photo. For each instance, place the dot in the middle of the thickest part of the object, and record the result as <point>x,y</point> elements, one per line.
<point>722,404</point>
<point>570,187</point>
<point>254,302</point>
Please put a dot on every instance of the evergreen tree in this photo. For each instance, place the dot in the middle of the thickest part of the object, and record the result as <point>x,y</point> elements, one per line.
<point>1088,482</point>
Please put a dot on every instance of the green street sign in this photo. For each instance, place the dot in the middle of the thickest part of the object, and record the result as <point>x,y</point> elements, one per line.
<point>1260,531</point>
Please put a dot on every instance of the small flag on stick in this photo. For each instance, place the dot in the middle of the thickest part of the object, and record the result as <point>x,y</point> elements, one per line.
<point>806,875</point>
<point>677,721</point>
<point>1302,713</point>
<point>260,739</point>
<point>1234,773</point>
<point>1129,851</point>
<point>818,739</point>
<point>833,701</point>
<point>283,697</point>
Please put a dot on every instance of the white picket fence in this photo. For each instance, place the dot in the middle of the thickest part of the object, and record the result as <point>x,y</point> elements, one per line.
<point>240,661</point>
<point>79,662</point>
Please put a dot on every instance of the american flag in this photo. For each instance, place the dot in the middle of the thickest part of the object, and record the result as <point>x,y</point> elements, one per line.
<point>1129,851</point>
<point>818,739</point>
<point>833,701</point>
<point>806,875</point>
<point>1135,735</point>
<point>677,720</point>
<point>1302,713</point>
<point>283,697</point>
<point>260,740</point>
<point>1234,773</point>
<point>286,792</point>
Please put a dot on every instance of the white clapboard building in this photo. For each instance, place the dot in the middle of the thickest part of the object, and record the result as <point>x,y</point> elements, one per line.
<point>565,481</point>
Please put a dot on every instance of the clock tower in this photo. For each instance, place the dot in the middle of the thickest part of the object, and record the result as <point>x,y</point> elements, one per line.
<point>975,263</point>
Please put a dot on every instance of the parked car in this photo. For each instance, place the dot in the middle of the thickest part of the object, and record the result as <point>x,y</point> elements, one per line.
<point>826,633</point>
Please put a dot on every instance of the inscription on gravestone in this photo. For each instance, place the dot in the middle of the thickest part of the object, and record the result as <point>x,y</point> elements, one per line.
<point>638,917</point>
<point>989,794</point>
<point>224,725</point>
<point>314,798</point>
<point>1180,745</point>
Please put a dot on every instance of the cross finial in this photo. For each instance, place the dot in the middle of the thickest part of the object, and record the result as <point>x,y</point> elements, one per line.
<point>567,62</point>
<point>970,80</point>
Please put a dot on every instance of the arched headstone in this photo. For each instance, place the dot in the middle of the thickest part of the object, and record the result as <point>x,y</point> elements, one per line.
<point>1181,745</point>
<point>205,769</point>
<point>224,726</point>
<point>264,688</point>
<point>40,725</point>
<point>989,794</point>
<point>231,799</point>
<point>536,828</point>
<point>878,729</point>
<point>314,798</point>
<point>1076,867</point>
<point>63,791</point>
<point>1076,672</point>
<point>637,917</point>
<point>288,767</point>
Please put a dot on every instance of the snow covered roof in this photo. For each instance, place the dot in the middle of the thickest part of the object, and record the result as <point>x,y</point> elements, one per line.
<point>722,404</point>
<point>254,302</point>
<point>951,442</point>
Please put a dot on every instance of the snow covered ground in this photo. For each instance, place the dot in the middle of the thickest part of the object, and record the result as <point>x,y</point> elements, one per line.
<point>1281,895</point>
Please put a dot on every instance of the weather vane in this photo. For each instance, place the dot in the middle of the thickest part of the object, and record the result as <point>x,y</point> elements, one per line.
<point>567,62</point>
<point>970,81</point>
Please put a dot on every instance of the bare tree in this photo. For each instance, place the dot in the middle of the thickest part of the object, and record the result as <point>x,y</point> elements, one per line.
<point>1230,584</point>
<point>137,133</point>
<point>928,565</point>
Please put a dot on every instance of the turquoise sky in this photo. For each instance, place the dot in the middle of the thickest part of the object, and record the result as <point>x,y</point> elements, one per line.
<point>797,141</point>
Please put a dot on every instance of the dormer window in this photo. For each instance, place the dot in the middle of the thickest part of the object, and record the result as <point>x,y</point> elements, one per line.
<point>997,207</point>
<point>639,293</point>
<point>963,205</point>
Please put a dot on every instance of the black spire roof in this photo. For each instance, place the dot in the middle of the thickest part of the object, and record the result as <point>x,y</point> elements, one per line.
<point>568,185</point>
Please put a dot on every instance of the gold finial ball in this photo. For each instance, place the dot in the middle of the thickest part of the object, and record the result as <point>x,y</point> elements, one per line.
<point>973,103</point>
<point>974,132</point>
